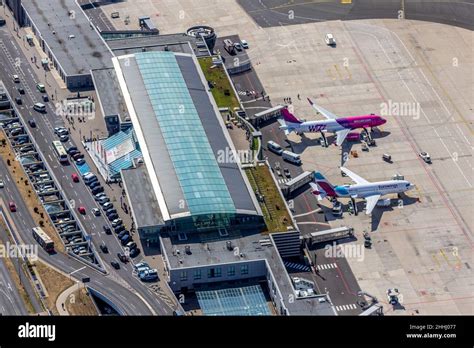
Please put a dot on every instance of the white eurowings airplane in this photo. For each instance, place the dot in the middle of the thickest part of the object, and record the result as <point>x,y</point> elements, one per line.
<point>370,191</point>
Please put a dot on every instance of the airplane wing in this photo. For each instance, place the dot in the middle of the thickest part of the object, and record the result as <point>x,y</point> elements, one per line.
<point>356,178</point>
<point>371,202</point>
<point>324,112</point>
<point>283,126</point>
<point>341,136</point>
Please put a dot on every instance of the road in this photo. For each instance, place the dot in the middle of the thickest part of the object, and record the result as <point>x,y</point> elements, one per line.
<point>14,61</point>
<point>11,302</point>
<point>270,13</point>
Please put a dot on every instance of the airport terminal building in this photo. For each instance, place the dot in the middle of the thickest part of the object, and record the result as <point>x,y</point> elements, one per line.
<point>181,135</point>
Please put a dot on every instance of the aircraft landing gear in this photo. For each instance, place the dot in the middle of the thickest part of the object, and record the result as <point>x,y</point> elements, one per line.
<point>354,206</point>
<point>324,141</point>
<point>368,136</point>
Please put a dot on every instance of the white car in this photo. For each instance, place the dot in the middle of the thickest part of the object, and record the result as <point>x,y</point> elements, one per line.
<point>16,78</point>
<point>238,46</point>
<point>330,41</point>
<point>96,211</point>
<point>425,156</point>
<point>244,44</point>
<point>2,184</point>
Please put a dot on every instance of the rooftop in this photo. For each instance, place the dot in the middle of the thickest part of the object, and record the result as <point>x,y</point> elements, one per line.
<point>181,136</point>
<point>76,45</point>
<point>140,195</point>
<point>110,96</point>
<point>211,249</point>
<point>178,43</point>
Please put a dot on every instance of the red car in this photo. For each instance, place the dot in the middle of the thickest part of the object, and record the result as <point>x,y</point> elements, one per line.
<point>82,210</point>
<point>75,177</point>
<point>12,206</point>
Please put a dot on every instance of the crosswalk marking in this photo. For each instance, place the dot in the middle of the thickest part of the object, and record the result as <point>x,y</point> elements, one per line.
<point>297,266</point>
<point>348,307</point>
<point>282,181</point>
<point>326,266</point>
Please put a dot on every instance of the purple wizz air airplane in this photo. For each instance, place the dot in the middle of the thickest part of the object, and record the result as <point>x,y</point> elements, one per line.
<point>340,126</point>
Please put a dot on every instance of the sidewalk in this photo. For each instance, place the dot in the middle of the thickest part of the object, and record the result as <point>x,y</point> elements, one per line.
<point>63,298</point>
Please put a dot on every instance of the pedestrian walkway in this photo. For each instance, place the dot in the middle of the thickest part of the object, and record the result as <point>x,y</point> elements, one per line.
<point>297,266</point>
<point>63,298</point>
<point>326,266</point>
<point>348,307</point>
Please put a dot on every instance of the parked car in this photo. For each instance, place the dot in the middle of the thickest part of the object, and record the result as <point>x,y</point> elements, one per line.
<point>112,216</point>
<point>287,173</point>
<point>330,41</point>
<point>77,155</point>
<point>111,211</point>
<point>117,222</point>
<point>104,200</point>
<point>131,245</point>
<point>244,44</point>
<point>98,196</point>
<point>63,138</point>
<point>106,203</point>
<point>60,131</point>
<point>426,157</point>
<point>134,252</point>
<point>238,46</point>
<point>122,257</point>
<point>80,161</point>
<point>97,189</point>
<point>123,233</point>
<point>119,228</point>
<point>115,264</point>
<point>125,239</point>
<point>71,149</point>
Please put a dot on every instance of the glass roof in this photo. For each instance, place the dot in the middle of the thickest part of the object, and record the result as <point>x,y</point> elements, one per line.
<point>198,173</point>
<point>249,301</point>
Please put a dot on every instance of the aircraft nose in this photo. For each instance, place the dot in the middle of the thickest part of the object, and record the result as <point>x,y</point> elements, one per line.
<point>382,121</point>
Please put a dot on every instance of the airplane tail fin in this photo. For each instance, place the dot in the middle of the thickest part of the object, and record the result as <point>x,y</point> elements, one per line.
<point>289,117</point>
<point>326,188</point>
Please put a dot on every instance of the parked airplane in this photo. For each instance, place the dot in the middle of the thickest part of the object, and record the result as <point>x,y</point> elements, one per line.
<point>340,126</point>
<point>371,191</point>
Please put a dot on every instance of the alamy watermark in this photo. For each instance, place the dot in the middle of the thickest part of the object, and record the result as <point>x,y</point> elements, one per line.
<point>9,250</point>
<point>228,155</point>
<point>400,109</point>
<point>355,251</point>
<point>68,108</point>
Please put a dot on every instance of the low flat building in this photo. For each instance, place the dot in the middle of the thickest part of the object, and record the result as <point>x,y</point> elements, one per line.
<point>65,34</point>
<point>193,261</point>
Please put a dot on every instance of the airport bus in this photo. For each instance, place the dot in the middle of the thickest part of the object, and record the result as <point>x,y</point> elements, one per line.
<point>291,157</point>
<point>43,239</point>
<point>60,151</point>
<point>274,147</point>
